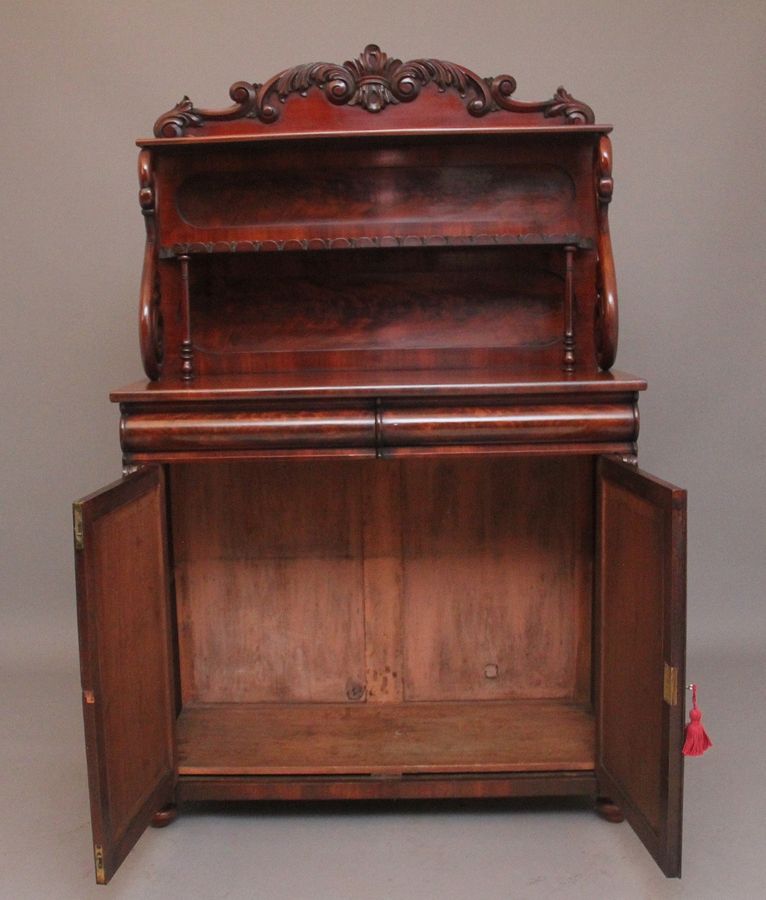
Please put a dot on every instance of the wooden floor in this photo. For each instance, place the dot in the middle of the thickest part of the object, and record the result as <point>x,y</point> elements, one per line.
<point>360,738</point>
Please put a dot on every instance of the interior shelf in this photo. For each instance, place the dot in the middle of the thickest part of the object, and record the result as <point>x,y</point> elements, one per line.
<point>385,738</point>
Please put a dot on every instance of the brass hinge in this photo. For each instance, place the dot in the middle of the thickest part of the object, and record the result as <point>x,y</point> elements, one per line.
<point>98,854</point>
<point>89,697</point>
<point>79,537</point>
<point>670,685</point>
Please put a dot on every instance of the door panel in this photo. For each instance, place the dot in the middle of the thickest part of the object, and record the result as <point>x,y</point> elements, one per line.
<point>125,660</point>
<point>641,595</point>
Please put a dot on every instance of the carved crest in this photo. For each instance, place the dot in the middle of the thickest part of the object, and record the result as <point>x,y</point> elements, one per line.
<point>372,81</point>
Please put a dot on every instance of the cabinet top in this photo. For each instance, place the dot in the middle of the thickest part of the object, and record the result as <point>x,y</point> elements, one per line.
<point>375,95</point>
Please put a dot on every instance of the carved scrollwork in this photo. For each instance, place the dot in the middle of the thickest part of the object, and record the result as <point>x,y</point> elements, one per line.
<point>372,81</point>
<point>175,122</point>
<point>562,104</point>
<point>150,324</point>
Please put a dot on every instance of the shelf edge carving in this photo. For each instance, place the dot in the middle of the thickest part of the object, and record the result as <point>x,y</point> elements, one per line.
<point>385,242</point>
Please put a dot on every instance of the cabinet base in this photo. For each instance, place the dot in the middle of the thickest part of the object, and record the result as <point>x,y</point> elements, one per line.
<point>320,787</point>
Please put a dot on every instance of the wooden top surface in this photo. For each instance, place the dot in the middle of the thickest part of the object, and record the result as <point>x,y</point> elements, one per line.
<point>375,383</point>
<point>193,140</point>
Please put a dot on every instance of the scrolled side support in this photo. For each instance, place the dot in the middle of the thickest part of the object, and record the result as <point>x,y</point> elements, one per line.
<point>149,309</point>
<point>606,308</point>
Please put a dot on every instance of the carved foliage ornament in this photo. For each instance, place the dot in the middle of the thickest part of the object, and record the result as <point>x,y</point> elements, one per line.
<point>372,82</point>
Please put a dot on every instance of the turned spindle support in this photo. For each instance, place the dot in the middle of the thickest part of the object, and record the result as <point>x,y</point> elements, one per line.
<point>569,340</point>
<point>187,351</point>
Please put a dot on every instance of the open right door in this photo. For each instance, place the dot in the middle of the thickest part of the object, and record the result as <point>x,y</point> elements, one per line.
<point>641,596</point>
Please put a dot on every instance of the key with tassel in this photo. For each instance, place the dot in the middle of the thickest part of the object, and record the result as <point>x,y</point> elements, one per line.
<point>697,741</point>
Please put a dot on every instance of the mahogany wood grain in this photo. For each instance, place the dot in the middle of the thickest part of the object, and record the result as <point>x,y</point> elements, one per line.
<point>383,582</point>
<point>269,581</point>
<point>607,316</point>
<point>641,627</point>
<point>150,323</point>
<point>125,657</point>
<point>378,307</point>
<point>457,308</point>
<point>313,385</point>
<point>384,738</point>
<point>492,609</point>
<point>523,423</point>
<point>294,427</point>
<point>289,427</point>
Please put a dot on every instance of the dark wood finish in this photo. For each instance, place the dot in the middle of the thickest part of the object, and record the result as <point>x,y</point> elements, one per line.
<point>123,617</point>
<point>606,308</point>
<point>380,427</point>
<point>384,738</point>
<point>641,613</point>
<point>150,322</point>
<point>313,385</point>
<point>517,201</point>
<point>382,412</point>
<point>377,310</point>
<point>373,82</point>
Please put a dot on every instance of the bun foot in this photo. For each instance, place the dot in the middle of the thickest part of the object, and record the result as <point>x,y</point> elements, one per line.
<point>609,810</point>
<point>163,817</point>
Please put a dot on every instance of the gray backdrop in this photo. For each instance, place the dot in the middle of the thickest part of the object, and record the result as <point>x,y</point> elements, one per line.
<point>683,83</point>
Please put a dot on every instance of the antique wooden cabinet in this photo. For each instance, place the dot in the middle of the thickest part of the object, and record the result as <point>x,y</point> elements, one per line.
<point>382,532</point>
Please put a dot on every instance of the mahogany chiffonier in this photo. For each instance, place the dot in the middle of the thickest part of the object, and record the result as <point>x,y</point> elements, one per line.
<point>381,532</point>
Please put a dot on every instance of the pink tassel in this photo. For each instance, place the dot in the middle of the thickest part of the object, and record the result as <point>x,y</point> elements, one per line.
<point>697,741</point>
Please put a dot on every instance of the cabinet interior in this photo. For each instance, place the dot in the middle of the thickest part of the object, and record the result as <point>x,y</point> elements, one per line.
<point>384,616</point>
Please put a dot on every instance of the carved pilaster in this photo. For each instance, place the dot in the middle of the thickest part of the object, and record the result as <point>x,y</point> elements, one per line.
<point>150,308</point>
<point>606,307</point>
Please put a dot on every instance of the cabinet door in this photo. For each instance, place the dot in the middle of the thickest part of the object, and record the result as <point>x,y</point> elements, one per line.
<point>640,670</point>
<point>125,660</point>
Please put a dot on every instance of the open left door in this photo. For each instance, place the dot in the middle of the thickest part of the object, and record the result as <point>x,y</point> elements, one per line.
<point>125,660</point>
<point>642,633</point>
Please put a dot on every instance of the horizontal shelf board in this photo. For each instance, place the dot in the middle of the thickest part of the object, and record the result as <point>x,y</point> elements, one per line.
<point>385,739</point>
<point>303,385</point>
<point>341,242</point>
